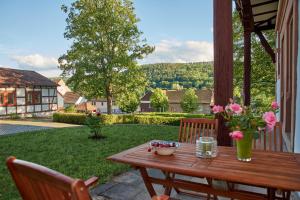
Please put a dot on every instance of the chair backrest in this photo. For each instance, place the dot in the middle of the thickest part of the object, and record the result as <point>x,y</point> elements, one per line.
<point>193,128</point>
<point>36,182</point>
<point>270,141</point>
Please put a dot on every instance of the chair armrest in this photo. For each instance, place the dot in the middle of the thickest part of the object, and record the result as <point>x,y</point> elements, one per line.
<point>162,197</point>
<point>91,181</point>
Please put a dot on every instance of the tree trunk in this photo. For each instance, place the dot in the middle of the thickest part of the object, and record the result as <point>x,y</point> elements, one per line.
<point>109,99</point>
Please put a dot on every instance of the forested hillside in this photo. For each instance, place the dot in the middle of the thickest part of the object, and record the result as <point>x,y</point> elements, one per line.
<point>180,75</point>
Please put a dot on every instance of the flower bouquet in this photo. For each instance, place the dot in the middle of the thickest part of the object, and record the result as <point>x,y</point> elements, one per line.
<point>245,124</point>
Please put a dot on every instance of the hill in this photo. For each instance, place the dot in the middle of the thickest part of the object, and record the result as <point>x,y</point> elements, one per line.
<point>180,75</point>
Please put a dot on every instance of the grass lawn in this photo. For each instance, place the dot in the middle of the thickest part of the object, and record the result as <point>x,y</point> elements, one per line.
<point>69,151</point>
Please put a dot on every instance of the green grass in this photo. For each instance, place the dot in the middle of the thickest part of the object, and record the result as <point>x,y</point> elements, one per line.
<point>70,152</point>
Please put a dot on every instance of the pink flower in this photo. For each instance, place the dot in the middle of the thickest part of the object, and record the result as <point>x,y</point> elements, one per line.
<point>270,119</point>
<point>237,135</point>
<point>217,109</point>
<point>274,105</point>
<point>236,108</point>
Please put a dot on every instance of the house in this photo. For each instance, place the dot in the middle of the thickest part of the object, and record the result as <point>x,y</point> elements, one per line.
<point>26,93</point>
<point>281,17</point>
<point>66,97</point>
<point>288,71</point>
<point>175,97</point>
<point>101,105</point>
<point>62,89</point>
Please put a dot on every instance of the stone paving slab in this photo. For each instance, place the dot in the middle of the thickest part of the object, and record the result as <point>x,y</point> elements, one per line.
<point>17,126</point>
<point>130,186</point>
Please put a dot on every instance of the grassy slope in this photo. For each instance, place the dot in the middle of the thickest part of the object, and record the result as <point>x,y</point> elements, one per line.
<point>69,151</point>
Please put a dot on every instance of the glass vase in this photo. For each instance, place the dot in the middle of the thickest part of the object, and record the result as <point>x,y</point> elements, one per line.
<point>244,147</point>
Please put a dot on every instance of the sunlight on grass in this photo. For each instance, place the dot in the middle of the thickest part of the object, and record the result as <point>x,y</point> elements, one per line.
<point>69,151</point>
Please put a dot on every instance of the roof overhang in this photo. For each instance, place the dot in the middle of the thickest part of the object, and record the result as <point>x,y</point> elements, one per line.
<point>258,15</point>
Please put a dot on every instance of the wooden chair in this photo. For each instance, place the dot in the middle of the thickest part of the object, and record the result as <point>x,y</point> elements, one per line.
<point>190,130</point>
<point>270,141</point>
<point>193,128</point>
<point>162,197</point>
<point>36,182</point>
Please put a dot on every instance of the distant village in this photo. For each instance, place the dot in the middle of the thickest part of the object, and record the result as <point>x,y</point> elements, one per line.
<point>28,93</point>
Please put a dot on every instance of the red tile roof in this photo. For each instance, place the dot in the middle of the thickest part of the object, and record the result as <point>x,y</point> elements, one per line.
<point>71,97</point>
<point>16,78</point>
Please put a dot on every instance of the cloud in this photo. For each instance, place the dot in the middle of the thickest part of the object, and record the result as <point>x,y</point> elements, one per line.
<point>36,62</point>
<point>180,52</point>
<point>47,66</point>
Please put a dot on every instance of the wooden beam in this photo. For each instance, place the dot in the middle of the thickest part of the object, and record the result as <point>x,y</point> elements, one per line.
<point>266,27</point>
<point>223,61</point>
<point>265,21</point>
<point>264,3</point>
<point>247,16</point>
<point>266,45</point>
<point>264,13</point>
<point>247,68</point>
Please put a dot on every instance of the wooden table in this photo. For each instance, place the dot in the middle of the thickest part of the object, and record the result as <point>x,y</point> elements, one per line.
<point>271,170</point>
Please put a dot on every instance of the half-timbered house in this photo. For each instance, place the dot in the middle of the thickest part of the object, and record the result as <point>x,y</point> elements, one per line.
<point>26,93</point>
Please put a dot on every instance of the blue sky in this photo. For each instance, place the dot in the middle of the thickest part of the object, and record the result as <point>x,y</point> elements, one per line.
<point>31,32</point>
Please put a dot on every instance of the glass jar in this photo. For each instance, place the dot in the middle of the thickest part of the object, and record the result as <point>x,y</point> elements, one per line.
<point>206,147</point>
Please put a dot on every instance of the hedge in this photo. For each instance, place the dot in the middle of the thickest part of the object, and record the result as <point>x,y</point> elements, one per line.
<point>185,115</point>
<point>78,118</point>
<point>70,118</point>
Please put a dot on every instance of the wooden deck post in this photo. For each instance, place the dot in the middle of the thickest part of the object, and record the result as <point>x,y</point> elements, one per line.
<point>223,61</point>
<point>247,67</point>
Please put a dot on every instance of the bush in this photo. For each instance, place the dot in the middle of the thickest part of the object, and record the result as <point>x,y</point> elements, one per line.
<point>185,115</point>
<point>14,116</point>
<point>70,118</point>
<point>95,126</point>
<point>70,109</point>
<point>117,119</point>
<point>158,119</point>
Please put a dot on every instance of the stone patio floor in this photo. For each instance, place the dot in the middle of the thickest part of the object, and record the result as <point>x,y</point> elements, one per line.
<point>17,126</point>
<point>130,186</point>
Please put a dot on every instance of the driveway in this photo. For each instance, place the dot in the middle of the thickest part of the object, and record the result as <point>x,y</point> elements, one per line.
<point>17,126</point>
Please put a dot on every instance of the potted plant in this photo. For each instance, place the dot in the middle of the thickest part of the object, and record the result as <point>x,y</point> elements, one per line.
<point>245,124</point>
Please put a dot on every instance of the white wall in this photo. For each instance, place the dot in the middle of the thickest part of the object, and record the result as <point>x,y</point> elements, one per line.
<point>60,101</point>
<point>102,107</point>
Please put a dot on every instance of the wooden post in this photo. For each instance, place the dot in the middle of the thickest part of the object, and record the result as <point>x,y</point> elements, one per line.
<point>223,61</point>
<point>247,67</point>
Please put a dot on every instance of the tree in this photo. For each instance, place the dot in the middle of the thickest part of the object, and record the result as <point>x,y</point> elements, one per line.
<point>128,102</point>
<point>263,70</point>
<point>159,100</point>
<point>189,102</point>
<point>106,45</point>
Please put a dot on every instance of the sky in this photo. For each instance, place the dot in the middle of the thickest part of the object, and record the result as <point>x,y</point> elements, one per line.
<point>31,32</point>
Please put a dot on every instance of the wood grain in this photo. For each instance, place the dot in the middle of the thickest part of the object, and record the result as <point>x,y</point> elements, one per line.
<point>267,169</point>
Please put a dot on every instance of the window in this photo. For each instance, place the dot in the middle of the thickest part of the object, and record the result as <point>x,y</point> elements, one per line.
<point>1,98</point>
<point>33,97</point>
<point>8,98</point>
<point>11,98</point>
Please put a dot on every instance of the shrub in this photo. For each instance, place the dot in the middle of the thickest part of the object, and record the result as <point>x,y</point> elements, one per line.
<point>185,115</point>
<point>14,116</point>
<point>70,109</point>
<point>159,119</point>
<point>95,126</point>
<point>71,118</point>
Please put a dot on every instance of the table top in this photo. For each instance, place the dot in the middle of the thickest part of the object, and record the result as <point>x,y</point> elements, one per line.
<point>268,169</point>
